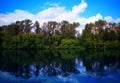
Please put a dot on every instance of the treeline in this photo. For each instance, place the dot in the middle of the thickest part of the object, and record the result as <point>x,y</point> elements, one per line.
<point>28,35</point>
<point>102,35</point>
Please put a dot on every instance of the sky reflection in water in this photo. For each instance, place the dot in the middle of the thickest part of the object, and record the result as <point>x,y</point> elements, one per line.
<point>63,66</point>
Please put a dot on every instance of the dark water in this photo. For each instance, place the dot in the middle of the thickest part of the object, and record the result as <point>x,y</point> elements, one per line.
<point>59,66</point>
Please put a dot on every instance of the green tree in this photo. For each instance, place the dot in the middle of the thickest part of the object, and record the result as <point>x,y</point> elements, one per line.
<point>68,29</point>
<point>37,27</point>
<point>87,32</point>
<point>13,29</point>
<point>69,43</point>
<point>27,26</point>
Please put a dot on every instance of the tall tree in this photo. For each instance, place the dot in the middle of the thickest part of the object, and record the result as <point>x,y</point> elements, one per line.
<point>68,29</point>
<point>88,32</point>
<point>37,27</point>
<point>51,26</point>
<point>27,25</point>
<point>13,29</point>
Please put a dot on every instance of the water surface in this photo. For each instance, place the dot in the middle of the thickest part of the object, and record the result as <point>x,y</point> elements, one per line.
<point>59,66</point>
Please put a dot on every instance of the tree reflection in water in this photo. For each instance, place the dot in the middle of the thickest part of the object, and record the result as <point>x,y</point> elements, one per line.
<point>31,63</point>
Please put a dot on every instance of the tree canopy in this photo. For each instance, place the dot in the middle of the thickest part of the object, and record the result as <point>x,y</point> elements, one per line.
<point>26,35</point>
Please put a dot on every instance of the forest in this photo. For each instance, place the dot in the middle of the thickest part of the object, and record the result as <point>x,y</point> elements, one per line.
<point>59,35</point>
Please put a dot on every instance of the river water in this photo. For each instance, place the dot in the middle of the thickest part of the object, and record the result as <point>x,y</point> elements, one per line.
<point>59,66</point>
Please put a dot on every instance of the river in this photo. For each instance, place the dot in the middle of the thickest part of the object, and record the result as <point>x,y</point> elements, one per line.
<point>59,66</point>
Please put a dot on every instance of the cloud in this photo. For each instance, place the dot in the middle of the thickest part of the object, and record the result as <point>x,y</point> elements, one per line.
<point>12,17</point>
<point>84,21</point>
<point>117,20</point>
<point>51,4</point>
<point>80,8</point>
<point>92,19</point>
<point>55,13</point>
<point>108,19</point>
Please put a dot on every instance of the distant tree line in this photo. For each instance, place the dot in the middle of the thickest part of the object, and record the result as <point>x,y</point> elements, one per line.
<point>101,34</point>
<point>28,35</point>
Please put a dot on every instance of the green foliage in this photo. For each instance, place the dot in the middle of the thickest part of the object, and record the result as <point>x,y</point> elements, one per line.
<point>87,31</point>
<point>70,43</point>
<point>7,41</point>
<point>1,40</point>
<point>68,30</point>
<point>112,45</point>
<point>101,35</point>
<point>37,26</point>
<point>27,41</point>
<point>24,35</point>
<point>56,40</point>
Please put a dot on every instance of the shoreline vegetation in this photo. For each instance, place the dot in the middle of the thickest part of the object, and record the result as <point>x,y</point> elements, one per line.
<point>25,34</point>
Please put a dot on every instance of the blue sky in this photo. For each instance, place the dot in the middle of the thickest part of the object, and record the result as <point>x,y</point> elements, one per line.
<point>82,11</point>
<point>33,6</point>
<point>105,7</point>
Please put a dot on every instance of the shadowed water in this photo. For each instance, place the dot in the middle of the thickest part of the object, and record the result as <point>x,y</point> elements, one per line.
<point>59,66</point>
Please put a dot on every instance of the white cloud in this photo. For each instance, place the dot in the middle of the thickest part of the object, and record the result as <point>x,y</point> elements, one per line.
<point>54,13</point>
<point>92,19</point>
<point>84,21</point>
<point>12,17</point>
<point>80,8</point>
<point>51,4</point>
<point>117,20</point>
<point>50,14</point>
<point>108,19</point>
